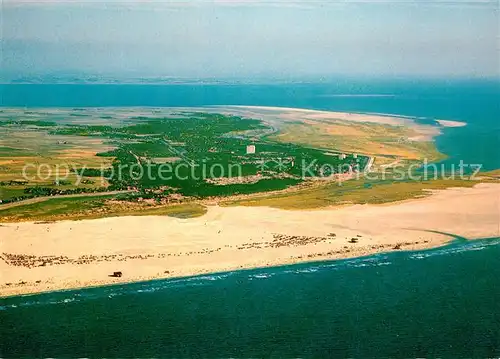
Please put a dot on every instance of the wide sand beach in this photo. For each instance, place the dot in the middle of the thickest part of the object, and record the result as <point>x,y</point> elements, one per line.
<point>40,257</point>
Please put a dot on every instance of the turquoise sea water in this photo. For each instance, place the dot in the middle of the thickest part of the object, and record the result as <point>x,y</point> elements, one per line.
<point>439,303</point>
<point>476,102</point>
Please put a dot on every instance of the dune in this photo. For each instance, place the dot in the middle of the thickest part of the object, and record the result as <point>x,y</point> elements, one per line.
<point>40,257</point>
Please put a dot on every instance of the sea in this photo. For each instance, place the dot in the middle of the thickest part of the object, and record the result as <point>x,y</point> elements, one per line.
<point>440,303</point>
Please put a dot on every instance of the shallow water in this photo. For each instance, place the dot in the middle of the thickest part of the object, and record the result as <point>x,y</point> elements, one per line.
<point>475,102</point>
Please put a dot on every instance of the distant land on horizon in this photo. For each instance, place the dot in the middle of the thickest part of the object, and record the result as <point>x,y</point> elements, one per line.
<point>158,79</point>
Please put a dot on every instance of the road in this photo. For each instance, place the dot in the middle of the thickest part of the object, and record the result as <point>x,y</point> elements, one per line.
<point>45,198</point>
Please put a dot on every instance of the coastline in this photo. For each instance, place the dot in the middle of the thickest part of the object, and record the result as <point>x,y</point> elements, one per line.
<point>212,275</point>
<point>291,113</point>
<point>76,254</point>
<point>319,257</point>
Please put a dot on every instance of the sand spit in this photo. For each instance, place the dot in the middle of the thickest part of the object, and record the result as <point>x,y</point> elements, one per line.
<point>281,115</point>
<point>294,113</point>
<point>39,257</point>
<point>448,123</point>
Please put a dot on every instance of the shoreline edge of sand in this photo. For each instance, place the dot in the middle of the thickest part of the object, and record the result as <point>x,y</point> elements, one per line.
<point>40,257</point>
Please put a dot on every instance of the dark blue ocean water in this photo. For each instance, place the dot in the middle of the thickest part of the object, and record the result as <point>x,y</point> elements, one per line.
<point>438,303</point>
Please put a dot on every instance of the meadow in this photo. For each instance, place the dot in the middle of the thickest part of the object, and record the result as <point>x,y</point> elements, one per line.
<point>107,154</point>
<point>172,157</point>
<point>360,191</point>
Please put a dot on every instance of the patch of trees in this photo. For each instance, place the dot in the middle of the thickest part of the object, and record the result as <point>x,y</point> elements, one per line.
<point>39,191</point>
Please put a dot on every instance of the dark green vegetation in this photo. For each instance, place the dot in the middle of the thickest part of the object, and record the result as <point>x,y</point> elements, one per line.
<point>204,155</point>
<point>163,158</point>
<point>12,194</point>
<point>38,123</point>
<point>10,152</point>
<point>167,159</point>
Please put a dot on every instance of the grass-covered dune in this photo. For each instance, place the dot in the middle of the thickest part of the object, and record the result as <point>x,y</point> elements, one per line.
<point>56,209</point>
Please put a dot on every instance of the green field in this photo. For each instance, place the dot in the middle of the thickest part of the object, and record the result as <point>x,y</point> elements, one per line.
<point>169,159</point>
<point>190,154</point>
<point>350,192</point>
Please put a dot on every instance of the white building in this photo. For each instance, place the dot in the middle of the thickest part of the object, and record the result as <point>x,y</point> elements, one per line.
<point>250,149</point>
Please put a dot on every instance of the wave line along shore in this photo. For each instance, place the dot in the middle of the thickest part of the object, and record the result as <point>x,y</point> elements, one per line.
<point>38,257</point>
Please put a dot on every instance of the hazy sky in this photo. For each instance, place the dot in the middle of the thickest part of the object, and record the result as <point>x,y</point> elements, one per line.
<point>257,38</point>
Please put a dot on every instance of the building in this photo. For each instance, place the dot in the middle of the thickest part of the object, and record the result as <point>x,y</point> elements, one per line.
<point>250,149</point>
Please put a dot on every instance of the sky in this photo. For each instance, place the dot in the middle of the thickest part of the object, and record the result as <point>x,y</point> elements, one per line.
<point>252,38</point>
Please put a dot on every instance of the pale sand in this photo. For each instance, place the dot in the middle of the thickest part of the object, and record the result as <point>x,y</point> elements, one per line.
<point>448,123</point>
<point>293,113</point>
<point>214,242</point>
<point>284,114</point>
